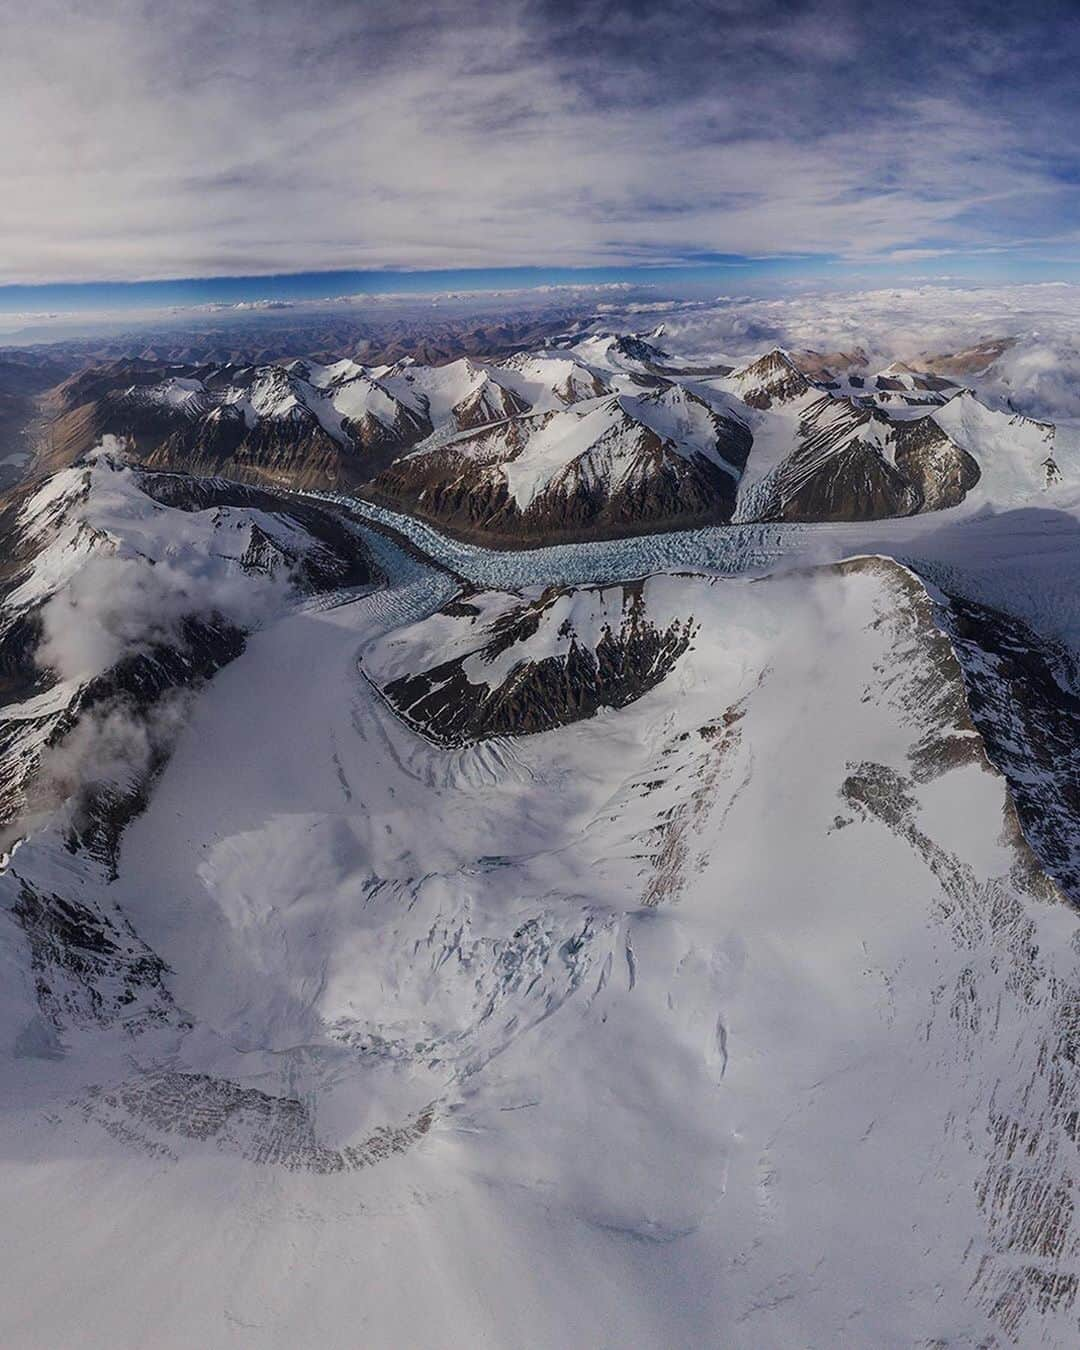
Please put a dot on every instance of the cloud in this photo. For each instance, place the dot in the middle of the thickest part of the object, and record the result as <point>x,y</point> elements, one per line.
<point>1040,376</point>
<point>148,140</point>
<point>146,571</point>
<point>118,606</point>
<point>121,601</point>
<point>1037,373</point>
<point>115,745</point>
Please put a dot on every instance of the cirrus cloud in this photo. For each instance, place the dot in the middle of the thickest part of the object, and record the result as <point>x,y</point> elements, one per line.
<point>200,139</point>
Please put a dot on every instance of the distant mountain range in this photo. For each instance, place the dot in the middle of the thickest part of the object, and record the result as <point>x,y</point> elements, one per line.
<point>587,436</point>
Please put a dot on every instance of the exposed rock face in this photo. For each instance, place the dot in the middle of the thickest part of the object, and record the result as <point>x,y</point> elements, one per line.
<point>662,460</point>
<point>858,484</point>
<point>853,462</point>
<point>288,456</point>
<point>489,402</point>
<point>537,664</point>
<point>158,1111</point>
<point>772,378</point>
<point>596,436</point>
<point>838,471</point>
<point>827,367</point>
<point>89,967</point>
<point>941,472</point>
<point>635,348</point>
<point>302,425</point>
<point>970,361</point>
<point>1019,692</point>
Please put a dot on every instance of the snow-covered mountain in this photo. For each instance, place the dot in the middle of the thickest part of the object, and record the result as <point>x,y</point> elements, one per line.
<point>601,435</point>
<point>613,464</point>
<point>123,589</point>
<point>846,460</point>
<point>413,934</point>
<point>871,447</point>
<point>300,424</point>
<point>684,960</point>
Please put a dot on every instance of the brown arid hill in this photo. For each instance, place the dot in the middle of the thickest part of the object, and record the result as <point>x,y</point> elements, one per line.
<point>970,361</point>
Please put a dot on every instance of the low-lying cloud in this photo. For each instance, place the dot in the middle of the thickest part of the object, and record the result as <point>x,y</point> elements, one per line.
<point>120,606</point>
<point>114,745</point>
<point>1038,373</point>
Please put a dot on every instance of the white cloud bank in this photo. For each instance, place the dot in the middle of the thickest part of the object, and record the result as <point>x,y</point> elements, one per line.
<point>1039,374</point>
<point>147,140</point>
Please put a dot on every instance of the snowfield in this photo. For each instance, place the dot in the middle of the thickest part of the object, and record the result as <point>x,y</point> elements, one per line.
<point>742,1014</point>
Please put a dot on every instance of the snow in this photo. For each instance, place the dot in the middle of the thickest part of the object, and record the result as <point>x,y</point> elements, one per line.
<point>115,571</point>
<point>360,397</point>
<point>1011,450</point>
<point>272,395</point>
<point>569,429</point>
<point>681,420</point>
<point>187,395</point>
<point>336,372</point>
<point>601,353</point>
<point>438,389</point>
<point>549,380</point>
<point>775,433</point>
<point>301,391</point>
<point>597,439</point>
<point>708,1050</point>
<point>579,616</point>
<point>553,443</point>
<point>653,1125</point>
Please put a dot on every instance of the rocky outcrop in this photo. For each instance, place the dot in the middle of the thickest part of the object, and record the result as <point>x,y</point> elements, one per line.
<point>506,681</point>
<point>941,472</point>
<point>1020,691</point>
<point>772,378</point>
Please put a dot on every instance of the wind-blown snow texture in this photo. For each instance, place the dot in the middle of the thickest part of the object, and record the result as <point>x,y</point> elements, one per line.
<point>665,941</point>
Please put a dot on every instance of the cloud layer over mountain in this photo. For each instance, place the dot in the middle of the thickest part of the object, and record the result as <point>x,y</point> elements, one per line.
<point>1034,331</point>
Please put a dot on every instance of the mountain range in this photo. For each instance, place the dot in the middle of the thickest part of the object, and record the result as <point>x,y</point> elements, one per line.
<point>410,934</point>
<point>600,436</point>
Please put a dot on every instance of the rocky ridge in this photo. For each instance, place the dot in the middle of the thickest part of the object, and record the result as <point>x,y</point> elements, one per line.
<point>595,435</point>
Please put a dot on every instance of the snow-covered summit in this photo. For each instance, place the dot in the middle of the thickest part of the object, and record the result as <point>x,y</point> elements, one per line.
<point>599,434</point>
<point>124,585</point>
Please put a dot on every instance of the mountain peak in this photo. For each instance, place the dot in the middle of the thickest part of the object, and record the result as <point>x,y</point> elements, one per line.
<point>772,378</point>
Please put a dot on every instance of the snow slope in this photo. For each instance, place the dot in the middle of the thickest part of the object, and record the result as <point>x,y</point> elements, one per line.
<point>624,1033</point>
<point>659,941</point>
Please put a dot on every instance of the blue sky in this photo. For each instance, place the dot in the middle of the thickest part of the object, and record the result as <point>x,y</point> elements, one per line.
<point>757,275</point>
<point>287,149</point>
